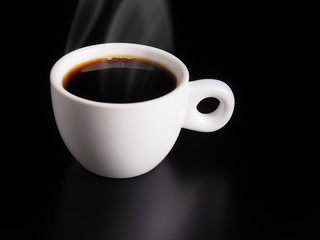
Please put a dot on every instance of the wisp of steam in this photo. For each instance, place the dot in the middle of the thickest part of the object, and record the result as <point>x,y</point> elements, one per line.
<point>134,21</point>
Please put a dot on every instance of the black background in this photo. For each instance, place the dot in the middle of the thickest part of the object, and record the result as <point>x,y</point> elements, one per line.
<point>255,178</point>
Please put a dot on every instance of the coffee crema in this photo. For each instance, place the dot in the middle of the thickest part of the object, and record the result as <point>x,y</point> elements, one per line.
<point>119,79</point>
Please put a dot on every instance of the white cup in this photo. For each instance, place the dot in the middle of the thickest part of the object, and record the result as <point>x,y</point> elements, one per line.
<point>126,140</point>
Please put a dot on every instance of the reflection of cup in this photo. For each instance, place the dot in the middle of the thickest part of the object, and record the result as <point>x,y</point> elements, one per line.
<point>126,140</point>
<point>159,205</point>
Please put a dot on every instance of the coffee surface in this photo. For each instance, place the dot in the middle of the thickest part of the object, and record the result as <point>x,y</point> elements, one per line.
<point>119,80</point>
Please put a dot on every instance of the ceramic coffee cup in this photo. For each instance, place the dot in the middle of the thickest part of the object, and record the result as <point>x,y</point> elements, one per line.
<point>121,140</point>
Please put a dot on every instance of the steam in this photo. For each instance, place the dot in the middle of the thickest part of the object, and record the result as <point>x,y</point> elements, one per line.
<point>85,17</point>
<point>133,21</point>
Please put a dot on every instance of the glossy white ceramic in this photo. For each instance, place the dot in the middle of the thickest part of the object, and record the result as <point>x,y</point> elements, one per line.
<point>127,140</point>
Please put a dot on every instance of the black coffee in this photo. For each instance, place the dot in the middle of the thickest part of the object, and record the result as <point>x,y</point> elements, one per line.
<point>119,80</point>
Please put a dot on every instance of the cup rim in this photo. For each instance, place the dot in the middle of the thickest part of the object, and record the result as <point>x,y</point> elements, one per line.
<point>100,50</point>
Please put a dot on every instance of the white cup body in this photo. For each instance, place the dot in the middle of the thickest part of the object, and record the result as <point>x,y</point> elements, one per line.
<point>119,140</point>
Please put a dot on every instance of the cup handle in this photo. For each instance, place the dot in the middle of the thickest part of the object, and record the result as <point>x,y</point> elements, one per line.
<point>205,88</point>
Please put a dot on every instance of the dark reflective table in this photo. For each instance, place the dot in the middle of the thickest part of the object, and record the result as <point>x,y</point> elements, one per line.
<point>159,205</point>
